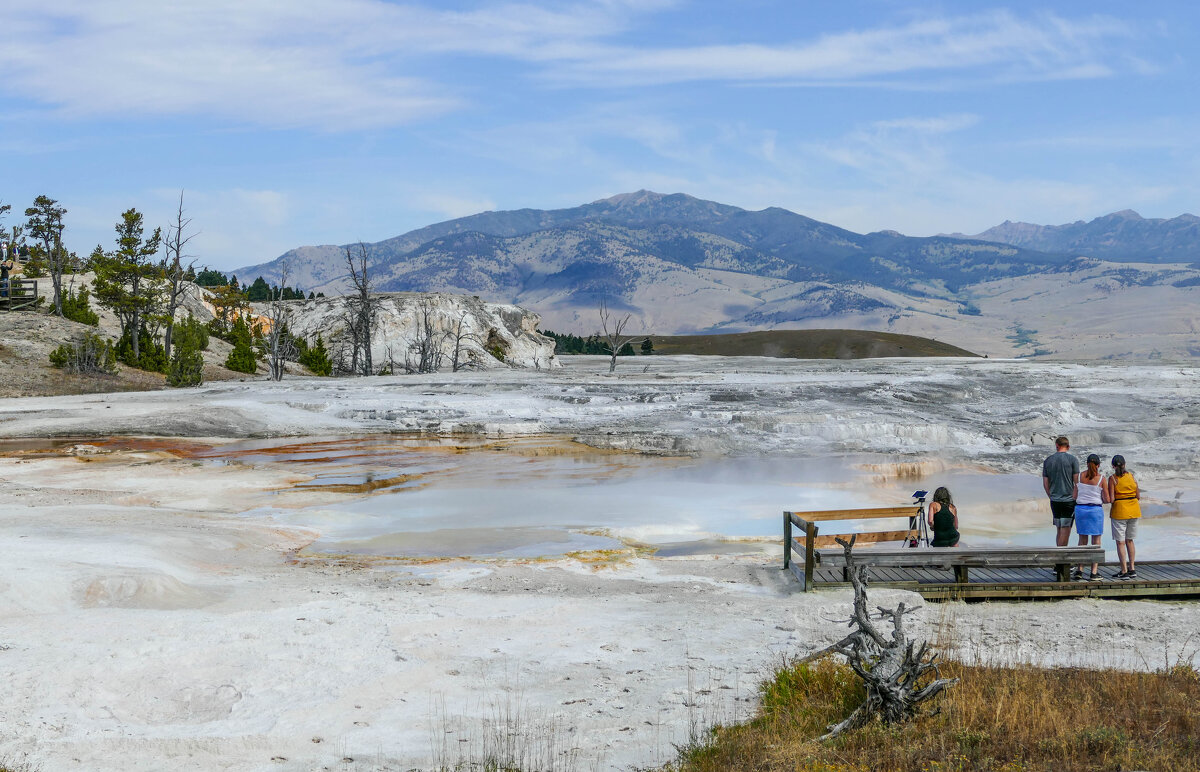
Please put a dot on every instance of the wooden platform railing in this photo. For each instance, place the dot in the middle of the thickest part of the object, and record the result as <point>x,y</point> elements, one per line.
<point>807,523</point>
<point>19,294</point>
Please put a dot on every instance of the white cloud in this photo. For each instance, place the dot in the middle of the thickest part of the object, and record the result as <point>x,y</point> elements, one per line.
<point>353,64</point>
<point>330,64</point>
<point>998,46</point>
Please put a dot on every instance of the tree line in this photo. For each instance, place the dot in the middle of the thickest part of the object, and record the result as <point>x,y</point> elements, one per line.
<point>142,280</point>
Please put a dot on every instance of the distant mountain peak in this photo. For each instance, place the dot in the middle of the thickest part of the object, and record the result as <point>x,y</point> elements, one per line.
<point>1124,214</point>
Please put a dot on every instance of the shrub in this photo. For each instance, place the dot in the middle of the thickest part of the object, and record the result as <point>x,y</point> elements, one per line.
<point>187,366</point>
<point>151,354</point>
<point>75,306</point>
<point>190,332</point>
<point>316,358</point>
<point>242,358</point>
<point>91,354</point>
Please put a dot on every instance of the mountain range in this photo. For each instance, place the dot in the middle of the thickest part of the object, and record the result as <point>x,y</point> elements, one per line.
<point>679,264</point>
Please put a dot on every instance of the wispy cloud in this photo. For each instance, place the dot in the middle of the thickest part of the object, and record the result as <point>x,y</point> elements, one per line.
<point>357,64</point>
<point>998,46</point>
<point>329,64</point>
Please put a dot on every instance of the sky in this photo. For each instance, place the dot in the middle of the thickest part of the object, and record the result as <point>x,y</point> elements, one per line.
<point>287,123</point>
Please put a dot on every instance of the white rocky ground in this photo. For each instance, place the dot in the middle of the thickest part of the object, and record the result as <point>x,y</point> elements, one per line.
<point>154,617</point>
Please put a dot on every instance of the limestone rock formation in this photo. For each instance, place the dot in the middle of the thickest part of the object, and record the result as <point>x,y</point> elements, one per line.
<point>489,335</point>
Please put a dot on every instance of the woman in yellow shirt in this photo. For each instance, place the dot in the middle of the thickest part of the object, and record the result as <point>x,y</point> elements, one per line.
<point>1124,494</point>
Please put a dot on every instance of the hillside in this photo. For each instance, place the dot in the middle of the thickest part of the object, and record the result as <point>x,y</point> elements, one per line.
<point>807,344</point>
<point>1122,236</point>
<point>680,265</point>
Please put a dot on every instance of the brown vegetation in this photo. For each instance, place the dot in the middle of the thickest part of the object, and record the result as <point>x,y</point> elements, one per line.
<point>998,718</point>
<point>807,344</point>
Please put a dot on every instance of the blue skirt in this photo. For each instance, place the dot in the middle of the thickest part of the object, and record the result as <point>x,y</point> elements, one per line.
<point>1089,519</point>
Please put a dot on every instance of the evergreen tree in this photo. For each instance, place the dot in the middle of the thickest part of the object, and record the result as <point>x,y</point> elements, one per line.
<point>316,358</point>
<point>647,347</point>
<point>241,359</point>
<point>210,278</point>
<point>259,291</point>
<point>45,225</point>
<point>626,350</point>
<point>128,282</point>
<point>75,306</point>
<point>187,363</point>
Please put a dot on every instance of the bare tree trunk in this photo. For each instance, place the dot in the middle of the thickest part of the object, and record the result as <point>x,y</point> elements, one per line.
<point>890,668</point>
<point>461,333</point>
<point>280,346</point>
<point>361,306</point>
<point>174,270</point>
<point>613,331</point>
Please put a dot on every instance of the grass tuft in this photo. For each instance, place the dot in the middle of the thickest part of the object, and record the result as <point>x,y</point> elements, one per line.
<point>999,718</point>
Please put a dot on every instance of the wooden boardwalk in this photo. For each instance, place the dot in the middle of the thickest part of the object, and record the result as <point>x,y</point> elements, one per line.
<point>1156,579</point>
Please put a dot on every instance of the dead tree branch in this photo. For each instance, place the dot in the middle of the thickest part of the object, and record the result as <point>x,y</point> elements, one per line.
<point>892,668</point>
<point>361,308</point>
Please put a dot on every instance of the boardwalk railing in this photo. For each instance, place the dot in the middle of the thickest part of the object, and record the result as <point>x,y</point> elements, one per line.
<point>806,522</point>
<point>20,293</point>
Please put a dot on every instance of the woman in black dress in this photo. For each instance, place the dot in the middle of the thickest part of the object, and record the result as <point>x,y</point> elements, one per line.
<point>943,519</point>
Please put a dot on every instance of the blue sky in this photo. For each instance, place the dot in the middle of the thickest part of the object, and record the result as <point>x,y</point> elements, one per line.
<point>329,121</point>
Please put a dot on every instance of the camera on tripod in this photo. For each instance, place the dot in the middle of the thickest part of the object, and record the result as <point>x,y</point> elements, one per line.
<point>919,496</point>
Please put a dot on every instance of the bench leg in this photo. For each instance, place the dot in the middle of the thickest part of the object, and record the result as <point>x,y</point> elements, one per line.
<point>1063,571</point>
<point>960,574</point>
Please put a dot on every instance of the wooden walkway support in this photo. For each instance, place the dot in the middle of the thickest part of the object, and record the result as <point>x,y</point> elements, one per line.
<point>22,293</point>
<point>1157,579</point>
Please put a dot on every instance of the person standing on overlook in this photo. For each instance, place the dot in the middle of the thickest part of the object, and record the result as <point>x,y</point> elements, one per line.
<point>1060,479</point>
<point>1124,493</point>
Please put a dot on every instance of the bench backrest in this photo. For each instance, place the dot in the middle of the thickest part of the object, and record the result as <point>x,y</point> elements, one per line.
<point>807,521</point>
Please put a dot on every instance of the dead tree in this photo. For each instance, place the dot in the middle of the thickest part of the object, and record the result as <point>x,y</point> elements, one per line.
<point>361,308</point>
<point>427,346</point>
<point>613,331</point>
<point>460,334</point>
<point>280,344</point>
<point>175,271</point>
<point>892,669</point>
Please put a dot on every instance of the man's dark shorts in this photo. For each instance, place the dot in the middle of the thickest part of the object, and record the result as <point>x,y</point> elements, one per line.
<point>1064,513</point>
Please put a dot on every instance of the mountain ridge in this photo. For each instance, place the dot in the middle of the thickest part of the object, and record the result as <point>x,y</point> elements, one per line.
<point>1123,236</point>
<point>682,265</point>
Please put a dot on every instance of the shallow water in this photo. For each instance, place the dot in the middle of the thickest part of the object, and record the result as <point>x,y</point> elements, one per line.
<point>543,497</point>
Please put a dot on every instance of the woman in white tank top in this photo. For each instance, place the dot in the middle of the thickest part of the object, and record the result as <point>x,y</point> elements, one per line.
<point>1089,514</point>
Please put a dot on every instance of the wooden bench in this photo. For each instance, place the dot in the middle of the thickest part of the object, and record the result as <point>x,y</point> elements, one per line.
<point>806,522</point>
<point>960,560</point>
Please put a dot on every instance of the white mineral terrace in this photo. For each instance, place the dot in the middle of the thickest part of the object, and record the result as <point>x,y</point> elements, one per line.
<point>380,573</point>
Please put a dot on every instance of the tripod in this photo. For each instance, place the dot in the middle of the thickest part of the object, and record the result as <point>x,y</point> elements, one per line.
<point>918,528</point>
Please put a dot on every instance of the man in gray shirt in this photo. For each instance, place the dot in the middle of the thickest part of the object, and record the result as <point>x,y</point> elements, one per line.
<point>1060,478</point>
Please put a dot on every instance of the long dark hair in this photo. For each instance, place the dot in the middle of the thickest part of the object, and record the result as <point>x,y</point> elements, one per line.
<point>942,497</point>
<point>1119,466</point>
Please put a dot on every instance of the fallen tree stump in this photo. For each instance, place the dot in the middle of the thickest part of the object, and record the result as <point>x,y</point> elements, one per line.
<point>892,669</point>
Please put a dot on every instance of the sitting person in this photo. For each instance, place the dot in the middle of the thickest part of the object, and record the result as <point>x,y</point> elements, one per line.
<point>943,519</point>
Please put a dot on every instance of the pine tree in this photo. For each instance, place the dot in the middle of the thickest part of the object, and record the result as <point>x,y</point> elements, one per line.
<point>127,281</point>
<point>75,306</point>
<point>241,359</point>
<point>187,363</point>
<point>647,347</point>
<point>316,358</point>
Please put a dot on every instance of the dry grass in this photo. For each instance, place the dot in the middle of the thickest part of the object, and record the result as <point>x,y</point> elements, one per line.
<point>999,718</point>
